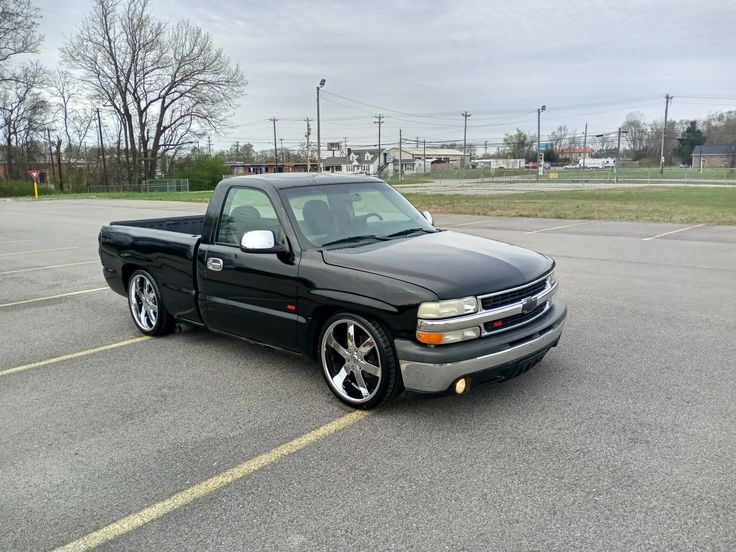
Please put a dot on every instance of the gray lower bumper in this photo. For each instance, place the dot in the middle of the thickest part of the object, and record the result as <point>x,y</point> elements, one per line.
<point>436,377</point>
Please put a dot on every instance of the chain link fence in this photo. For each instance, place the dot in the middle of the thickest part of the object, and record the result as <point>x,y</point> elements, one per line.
<point>155,185</point>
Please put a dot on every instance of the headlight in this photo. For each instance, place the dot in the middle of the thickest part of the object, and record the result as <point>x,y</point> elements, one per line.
<point>552,278</point>
<point>448,309</point>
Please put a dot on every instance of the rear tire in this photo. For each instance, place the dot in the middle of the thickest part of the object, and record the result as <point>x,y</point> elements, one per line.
<point>146,305</point>
<point>358,361</point>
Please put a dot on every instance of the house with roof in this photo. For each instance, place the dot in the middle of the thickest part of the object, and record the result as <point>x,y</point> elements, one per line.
<point>360,161</point>
<point>418,160</point>
<point>574,154</point>
<point>715,157</point>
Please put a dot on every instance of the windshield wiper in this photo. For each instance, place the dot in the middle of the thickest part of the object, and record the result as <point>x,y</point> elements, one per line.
<point>355,239</point>
<point>410,231</point>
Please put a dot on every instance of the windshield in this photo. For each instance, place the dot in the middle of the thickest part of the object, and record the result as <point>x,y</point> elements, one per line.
<point>340,213</point>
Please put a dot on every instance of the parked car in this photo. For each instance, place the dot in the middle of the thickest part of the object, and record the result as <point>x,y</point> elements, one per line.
<point>342,269</point>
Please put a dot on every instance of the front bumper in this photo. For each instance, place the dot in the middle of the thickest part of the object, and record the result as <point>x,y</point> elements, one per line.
<point>434,369</point>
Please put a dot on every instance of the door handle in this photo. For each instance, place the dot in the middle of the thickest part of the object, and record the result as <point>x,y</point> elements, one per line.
<point>214,264</point>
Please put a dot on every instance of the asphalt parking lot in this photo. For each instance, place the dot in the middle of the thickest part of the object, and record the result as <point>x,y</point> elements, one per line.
<point>623,438</point>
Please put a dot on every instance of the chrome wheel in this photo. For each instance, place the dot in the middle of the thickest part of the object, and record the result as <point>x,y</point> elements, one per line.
<point>351,361</point>
<point>143,302</point>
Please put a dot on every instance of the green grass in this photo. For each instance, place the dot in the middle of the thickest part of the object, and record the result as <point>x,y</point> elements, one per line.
<point>22,188</point>
<point>682,205</point>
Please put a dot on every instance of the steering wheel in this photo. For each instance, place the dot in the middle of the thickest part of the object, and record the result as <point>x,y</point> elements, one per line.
<point>368,215</point>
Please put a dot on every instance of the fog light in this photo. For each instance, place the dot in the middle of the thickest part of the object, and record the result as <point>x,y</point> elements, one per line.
<point>461,385</point>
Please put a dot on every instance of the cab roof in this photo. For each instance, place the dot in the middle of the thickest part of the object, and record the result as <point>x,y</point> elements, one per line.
<point>296,180</point>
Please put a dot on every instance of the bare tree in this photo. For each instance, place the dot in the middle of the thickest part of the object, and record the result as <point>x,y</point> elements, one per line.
<point>18,30</point>
<point>168,86</point>
<point>23,112</point>
<point>636,132</point>
<point>558,137</point>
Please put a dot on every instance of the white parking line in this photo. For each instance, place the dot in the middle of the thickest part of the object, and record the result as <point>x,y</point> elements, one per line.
<point>673,232</point>
<point>71,293</point>
<point>46,267</point>
<point>560,227</point>
<point>467,223</point>
<point>37,251</point>
<point>15,241</point>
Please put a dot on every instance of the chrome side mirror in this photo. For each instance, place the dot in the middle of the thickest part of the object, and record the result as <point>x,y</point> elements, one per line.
<point>260,241</point>
<point>427,215</point>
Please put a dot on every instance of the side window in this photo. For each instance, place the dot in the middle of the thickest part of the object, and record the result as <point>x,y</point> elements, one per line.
<point>246,209</point>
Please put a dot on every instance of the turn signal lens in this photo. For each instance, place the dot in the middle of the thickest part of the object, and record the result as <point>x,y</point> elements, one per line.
<point>429,338</point>
<point>443,338</point>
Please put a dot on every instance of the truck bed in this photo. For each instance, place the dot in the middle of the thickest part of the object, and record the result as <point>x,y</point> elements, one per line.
<point>165,247</point>
<point>190,224</point>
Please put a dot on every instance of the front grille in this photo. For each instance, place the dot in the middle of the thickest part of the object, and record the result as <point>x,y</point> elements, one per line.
<point>515,320</point>
<point>510,297</point>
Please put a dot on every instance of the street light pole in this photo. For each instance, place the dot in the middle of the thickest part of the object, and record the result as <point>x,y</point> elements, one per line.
<point>540,156</point>
<point>319,136</point>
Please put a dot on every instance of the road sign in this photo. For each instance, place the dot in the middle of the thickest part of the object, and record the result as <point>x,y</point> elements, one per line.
<point>34,174</point>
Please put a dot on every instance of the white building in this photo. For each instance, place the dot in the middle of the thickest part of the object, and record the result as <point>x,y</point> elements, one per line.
<point>360,161</point>
<point>434,157</point>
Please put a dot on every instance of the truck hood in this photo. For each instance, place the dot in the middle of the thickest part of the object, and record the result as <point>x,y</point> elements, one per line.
<point>450,264</point>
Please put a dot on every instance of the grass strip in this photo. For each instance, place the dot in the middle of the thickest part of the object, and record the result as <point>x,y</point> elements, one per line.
<point>709,205</point>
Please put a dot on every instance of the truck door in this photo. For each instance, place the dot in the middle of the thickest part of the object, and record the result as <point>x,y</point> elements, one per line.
<point>251,295</point>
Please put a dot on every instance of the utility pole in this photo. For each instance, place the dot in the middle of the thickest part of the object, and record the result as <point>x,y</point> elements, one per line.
<point>667,99</point>
<point>485,148</point>
<point>540,155</point>
<point>51,154</point>
<point>309,132</point>
<point>465,115</point>
<point>585,143</point>
<point>400,158</point>
<point>618,155</point>
<point>275,148</point>
<point>283,153</point>
<point>58,161</point>
<point>379,121</point>
<point>102,148</point>
<point>209,145</point>
<point>417,141</point>
<point>424,156</point>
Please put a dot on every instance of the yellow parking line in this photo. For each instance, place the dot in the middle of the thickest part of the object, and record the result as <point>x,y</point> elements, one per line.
<point>73,355</point>
<point>46,267</point>
<point>51,297</point>
<point>180,499</point>
<point>38,251</point>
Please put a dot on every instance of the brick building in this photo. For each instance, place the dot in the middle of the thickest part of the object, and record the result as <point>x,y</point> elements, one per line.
<point>714,157</point>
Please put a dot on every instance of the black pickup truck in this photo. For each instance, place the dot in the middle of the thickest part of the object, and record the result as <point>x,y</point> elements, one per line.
<point>345,270</point>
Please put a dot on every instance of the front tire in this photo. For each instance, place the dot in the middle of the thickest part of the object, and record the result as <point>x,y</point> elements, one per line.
<point>358,361</point>
<point>147,306</point>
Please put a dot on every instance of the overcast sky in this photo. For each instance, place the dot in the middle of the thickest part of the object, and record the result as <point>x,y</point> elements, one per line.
<point>588,61</point>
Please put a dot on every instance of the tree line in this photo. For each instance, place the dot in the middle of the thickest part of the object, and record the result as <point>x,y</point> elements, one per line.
<point>641,140</point>
<point>144,90</point>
